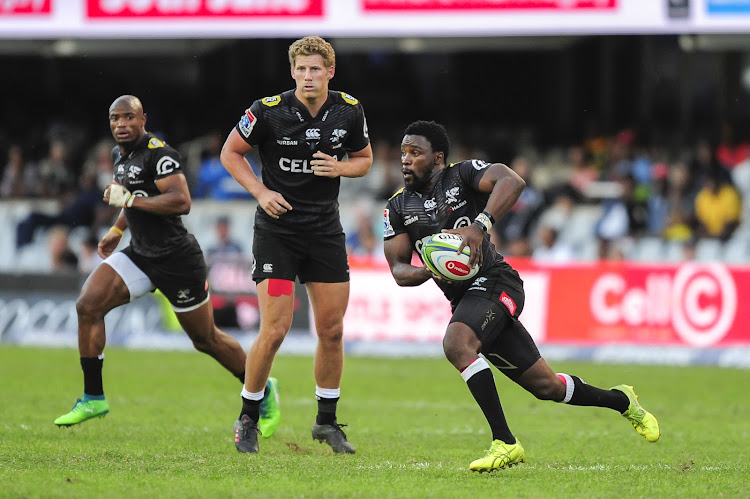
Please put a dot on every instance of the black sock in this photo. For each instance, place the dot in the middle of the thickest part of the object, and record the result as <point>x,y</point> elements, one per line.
<point>587,395</point>
<point>92,375</point>
<point>326,411</point>
<point>482,387</point>
<point>251,409</point>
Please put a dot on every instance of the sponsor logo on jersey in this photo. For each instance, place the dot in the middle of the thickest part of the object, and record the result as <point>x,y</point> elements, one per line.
<point>247,122</point>
<point>451,195</point>
<point>478,284</point>
<point>508,302</point>
<point>387,227</point>
<point>430,204</point>
<point>120,169</point>
<point>459,205</point>
<point>479,164</point>
<point>166,165</point>
<point>488,317</point>
<point>183,294</point>
<point>462,222</point>
<point>268,267</point>
<point>411,220</point>
<point>155,143</point>
<point>271,101</point>
<point>349,99</point>
<point>365,131</point>
<point>294,165</point>
<point>337,135</point>
<point>134,171</point>
<point>312,134</point>
<point>286,141</point>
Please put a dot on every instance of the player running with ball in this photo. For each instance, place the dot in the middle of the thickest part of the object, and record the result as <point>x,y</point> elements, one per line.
<point>466,198</point>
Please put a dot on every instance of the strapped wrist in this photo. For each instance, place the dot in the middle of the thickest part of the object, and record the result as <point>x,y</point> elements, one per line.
<point>484,221</point>
<point>116,230</point>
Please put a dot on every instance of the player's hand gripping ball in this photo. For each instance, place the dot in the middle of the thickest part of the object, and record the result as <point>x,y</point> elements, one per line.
<point>440,254</point>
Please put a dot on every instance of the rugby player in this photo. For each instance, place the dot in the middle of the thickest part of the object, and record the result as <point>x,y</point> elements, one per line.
<point>307,138</point>
<point>466,198</point>
<point>150,187</point>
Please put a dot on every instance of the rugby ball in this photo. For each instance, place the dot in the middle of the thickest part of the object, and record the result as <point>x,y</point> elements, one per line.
<point>440,254</point>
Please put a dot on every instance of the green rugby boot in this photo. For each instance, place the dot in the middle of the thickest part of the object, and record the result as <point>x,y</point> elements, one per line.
<point>643,421</point>
<point>500,456</point>
<point>82,411</point>
<point>270,414</point>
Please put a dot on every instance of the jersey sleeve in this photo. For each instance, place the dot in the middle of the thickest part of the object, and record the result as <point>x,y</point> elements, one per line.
<point>393,222</point>
<point>165,161</point>
<point>472,171</point>
<point>251,126</point>
<point>360,136</point>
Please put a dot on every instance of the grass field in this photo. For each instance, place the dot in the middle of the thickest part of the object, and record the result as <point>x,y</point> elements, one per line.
<point>413,421</point>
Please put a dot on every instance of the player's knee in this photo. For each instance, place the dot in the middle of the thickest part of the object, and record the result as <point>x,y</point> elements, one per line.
<point>457,352</point>
<point>89,307</point>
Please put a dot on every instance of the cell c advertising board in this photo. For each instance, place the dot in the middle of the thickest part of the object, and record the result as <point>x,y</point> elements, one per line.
<point>692,305</point>
<point>35,19</point>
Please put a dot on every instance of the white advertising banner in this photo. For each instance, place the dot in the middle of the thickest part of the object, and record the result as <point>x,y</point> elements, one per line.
<point>33,19</point>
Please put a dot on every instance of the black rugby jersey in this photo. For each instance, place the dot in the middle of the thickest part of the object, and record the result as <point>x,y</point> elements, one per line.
<point>285,134</point>
<point>453,202</point>
<point>151,159</point>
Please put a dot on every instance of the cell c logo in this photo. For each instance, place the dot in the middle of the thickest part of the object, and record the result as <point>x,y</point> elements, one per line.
<point>699,302</point>
<point>703,324</point>
<point>462,222</point>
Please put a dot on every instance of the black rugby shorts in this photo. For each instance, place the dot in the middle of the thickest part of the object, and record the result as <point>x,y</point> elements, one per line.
<point>490,307</point>
<point>306,256</point>
<point>180,275</point>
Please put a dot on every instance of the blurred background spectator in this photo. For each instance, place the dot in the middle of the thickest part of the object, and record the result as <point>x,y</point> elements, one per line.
<point>20,178</point>
<point>223,244</point>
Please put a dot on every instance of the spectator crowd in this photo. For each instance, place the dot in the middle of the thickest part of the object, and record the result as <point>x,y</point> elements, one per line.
<point>603,198</point>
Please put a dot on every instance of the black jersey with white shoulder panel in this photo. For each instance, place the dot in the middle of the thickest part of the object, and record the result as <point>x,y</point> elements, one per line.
<point>286,135</point>
<point>150,159</point>
<point>453,202</point>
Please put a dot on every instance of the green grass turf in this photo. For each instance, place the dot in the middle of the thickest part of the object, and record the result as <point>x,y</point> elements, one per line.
<point>413,421</point>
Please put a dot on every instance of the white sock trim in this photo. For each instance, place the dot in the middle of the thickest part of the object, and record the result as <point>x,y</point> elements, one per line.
<point>252,395</point>
<point>478,365</point>
<point>327,393</point>
<point>100,356</point>
<point>569,387</point>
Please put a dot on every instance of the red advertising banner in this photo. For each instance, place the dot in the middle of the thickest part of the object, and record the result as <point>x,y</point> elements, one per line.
<point>115,9</point>
<point>484,5</point>
<point>24,7</point>
<point>692,304</point>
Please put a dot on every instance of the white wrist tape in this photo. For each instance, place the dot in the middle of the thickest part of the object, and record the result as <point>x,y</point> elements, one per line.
<point>119,196</point>
<point>483,220</point>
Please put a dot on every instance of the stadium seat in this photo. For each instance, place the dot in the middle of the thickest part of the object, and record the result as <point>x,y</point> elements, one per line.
<point>709,250</point>
<point>649,249</point>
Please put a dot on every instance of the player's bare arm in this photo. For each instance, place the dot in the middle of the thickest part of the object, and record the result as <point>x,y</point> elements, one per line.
<point>233,158</point>
<point>357,165</point>
<point>505,187</point>
<point>398,252</point>
<point>111,239</point>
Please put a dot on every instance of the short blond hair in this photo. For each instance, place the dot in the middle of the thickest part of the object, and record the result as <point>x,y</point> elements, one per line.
<point>312,45</point>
